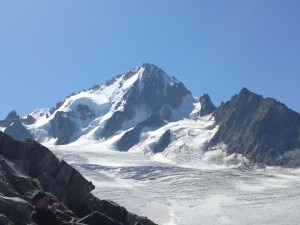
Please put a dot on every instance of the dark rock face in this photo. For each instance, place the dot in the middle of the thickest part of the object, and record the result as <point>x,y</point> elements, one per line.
<point>28,166</point>
<point>261,129</point>
<point>17,207</point>
<point>114,124</point>
<point>111,209</point>
<point>207,107</point>
<point>155,91</point>
<point>18,131</point>
<point>85,112</point>
<point>63,128</point>
<point>11,117</point>
<point>4,220</point>
<point>29,120</point>
<point>15,127</point>
<point>34,160</point>
<point>132,137</point>
<point>163,142</point>
<point>158,90</point>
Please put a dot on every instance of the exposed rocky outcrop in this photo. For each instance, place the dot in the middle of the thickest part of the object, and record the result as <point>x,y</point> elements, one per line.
<point>18,131</point>
<point>163,142</point>
<point>15,127</point>
<point>85,112</point>
<point>11,117</point>
<point>29,120</point>
<point>63,128</point>
<point>132,137</point>
<point>207,107</point>
<point>28,166</point>
<point>263,130</point>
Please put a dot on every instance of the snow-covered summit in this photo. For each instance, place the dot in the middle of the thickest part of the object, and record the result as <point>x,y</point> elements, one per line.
<point>141,98</point>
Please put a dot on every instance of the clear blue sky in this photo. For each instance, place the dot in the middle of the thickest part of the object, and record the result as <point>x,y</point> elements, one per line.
<point>50,49</point>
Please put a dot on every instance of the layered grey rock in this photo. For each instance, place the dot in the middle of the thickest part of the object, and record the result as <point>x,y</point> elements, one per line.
<point>16,208</point>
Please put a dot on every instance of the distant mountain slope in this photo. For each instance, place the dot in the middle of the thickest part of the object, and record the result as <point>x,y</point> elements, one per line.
<point>123,103</point>
<point>263,130</point>
<point>14,127</point>
<point>146,110</point>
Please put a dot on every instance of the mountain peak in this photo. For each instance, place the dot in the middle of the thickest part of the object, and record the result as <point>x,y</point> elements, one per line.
<point>207,106</point>
<point>11,117</point>
<point>150,66</point>
<point>245,90</point>
<point>245,93</point>
<point>152,70</point>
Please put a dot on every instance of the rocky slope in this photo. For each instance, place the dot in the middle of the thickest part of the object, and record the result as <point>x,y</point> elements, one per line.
<point>28,166</point>
<point>263,130</point>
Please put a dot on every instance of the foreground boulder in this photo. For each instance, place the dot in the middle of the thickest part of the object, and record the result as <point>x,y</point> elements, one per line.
<point>26,167</point>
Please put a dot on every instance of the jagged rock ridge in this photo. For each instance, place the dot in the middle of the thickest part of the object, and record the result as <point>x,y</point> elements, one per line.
<point>263,130</point>
<point>14,126</point>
